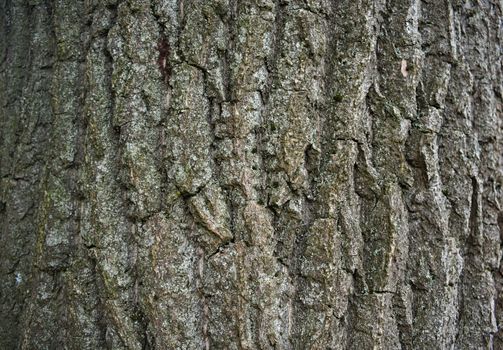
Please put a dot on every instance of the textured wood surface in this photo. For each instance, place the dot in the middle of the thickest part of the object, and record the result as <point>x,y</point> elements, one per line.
<point>238,174</point>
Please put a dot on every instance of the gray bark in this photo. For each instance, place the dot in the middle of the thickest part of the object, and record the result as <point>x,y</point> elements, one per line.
<point>251,174</point>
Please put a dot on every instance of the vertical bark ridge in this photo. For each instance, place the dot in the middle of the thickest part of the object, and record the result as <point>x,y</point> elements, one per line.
<point>482,252</point>
<point>26,71</point>
<point>61,266</point>
<point>294,92</point>
<point>427,205</point>
<point>382,293</point>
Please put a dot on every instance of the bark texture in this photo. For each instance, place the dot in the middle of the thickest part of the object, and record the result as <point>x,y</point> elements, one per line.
<point>251,174</point>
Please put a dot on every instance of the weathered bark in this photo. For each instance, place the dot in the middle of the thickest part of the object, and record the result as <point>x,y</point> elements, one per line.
<point>238,174</point>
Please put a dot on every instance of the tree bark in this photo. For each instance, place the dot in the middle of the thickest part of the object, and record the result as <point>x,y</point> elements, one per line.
<point>239,174</point>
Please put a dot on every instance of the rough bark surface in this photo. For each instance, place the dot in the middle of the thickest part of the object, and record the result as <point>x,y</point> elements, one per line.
<point>251,174</point>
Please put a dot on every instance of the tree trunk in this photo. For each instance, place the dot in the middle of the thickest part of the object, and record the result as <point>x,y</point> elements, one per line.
<point>239,174</point>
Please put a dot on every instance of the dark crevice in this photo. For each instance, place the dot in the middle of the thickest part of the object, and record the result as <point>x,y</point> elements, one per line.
<point>227,58</point>
<point>272,62</point>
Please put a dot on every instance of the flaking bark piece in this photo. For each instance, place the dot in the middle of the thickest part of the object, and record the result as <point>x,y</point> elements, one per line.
<point>210,210</point>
